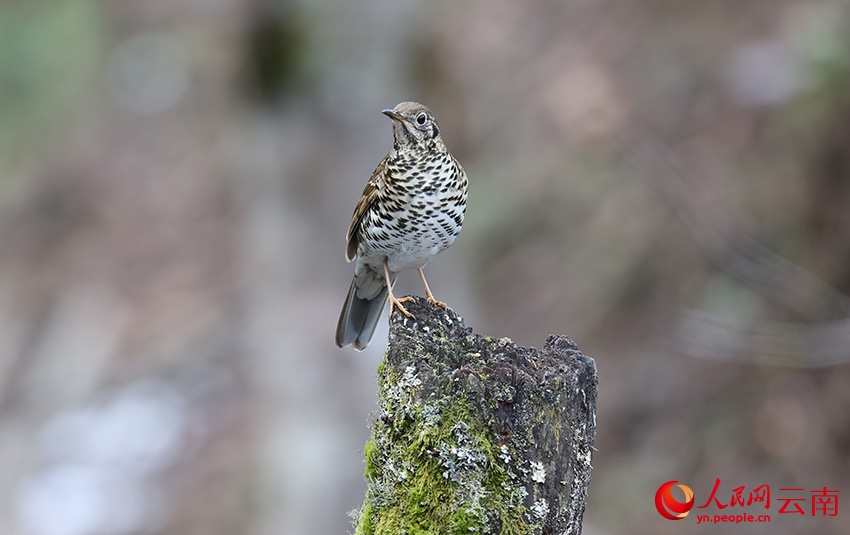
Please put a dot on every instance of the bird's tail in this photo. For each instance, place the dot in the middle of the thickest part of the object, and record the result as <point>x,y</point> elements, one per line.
<point>360,315</point>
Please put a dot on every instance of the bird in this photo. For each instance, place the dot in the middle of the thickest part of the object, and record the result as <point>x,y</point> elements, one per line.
<point>412,208</point>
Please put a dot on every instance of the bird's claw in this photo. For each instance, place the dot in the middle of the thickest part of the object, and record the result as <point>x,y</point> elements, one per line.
<point>430,297</point>
<point>397,303</point>
<point>433,301</point>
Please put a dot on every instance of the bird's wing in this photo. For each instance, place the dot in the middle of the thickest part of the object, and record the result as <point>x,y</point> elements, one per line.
<point>367,200</point>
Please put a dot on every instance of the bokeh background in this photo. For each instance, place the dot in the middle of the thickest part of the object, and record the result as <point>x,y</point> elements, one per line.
<point>665,181</point>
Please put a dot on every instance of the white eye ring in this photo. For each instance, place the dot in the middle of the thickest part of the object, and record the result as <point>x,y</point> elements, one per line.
<point>421,118</point>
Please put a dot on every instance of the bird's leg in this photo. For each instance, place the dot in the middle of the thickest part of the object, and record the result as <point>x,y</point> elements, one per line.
<point>428,293</point>
<point>394,301</point>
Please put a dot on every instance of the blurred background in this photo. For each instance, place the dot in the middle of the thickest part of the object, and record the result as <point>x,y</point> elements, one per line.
<point>665,181</point>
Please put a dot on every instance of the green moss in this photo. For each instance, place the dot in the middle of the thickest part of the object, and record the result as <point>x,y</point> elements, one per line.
<point>432,475</point>
<point>465,521</point>
<point>365,525</point>
<point>370,452</point>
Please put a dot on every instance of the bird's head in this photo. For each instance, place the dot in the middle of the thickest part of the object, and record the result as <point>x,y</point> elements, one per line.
<point>414,126</point>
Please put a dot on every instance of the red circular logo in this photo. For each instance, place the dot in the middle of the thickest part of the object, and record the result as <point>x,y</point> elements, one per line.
<point>670,507</point>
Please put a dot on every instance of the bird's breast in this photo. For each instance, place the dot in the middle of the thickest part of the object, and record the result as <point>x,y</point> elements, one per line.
<point>418,213</point>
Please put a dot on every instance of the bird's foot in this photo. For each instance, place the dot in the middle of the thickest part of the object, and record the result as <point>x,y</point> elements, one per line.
<point>431,299</point>
<point>397,303</point>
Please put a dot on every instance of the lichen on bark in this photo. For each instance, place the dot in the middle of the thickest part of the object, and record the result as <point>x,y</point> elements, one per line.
<point>477,435</point>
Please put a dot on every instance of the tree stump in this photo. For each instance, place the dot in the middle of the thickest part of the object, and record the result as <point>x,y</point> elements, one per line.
<point>475,434</point>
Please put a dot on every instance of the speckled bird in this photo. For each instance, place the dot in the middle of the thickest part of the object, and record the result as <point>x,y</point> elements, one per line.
<point>411,209</point>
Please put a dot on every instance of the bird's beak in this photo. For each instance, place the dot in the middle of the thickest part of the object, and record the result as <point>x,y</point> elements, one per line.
<point>392,114</point>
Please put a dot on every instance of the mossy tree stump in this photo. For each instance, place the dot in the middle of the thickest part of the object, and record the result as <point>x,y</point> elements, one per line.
<point>477,435</point>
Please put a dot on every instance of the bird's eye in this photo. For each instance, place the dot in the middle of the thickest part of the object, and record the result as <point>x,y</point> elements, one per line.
<point>421,118</point>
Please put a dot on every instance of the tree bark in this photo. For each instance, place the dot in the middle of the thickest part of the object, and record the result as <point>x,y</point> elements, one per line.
<point>477,435</point>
